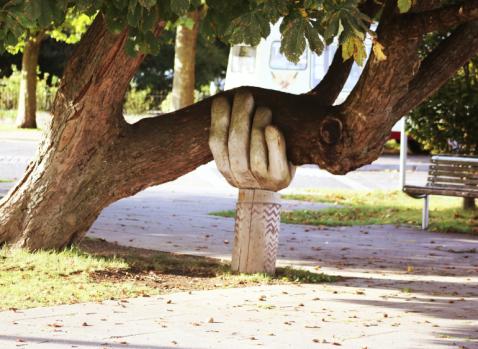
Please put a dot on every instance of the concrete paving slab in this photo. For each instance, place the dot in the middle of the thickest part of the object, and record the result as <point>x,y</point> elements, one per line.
<point>308,316</point>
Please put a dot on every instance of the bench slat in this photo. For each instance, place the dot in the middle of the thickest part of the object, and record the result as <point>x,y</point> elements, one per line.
<point>448,166</point>
<point>442,167</point>
<point>415,190</point>
<point>457,174</point>
<point>452,186</point>
<point>453,180</point>
<point>456,159</point>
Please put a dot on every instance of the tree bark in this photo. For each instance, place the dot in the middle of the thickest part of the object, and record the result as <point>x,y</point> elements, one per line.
<point>184,79</point>
<point>27,99</point>
<point>74,174</point>
<point>91,157</point>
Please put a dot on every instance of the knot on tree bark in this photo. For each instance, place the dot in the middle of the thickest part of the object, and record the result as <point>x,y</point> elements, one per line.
<point>331,130</point>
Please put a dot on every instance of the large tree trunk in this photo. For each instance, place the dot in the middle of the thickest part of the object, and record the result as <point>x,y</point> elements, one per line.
<point>75,173</point>
<point>27,99</point>
<point>92,157</point>
<point>185,63</point>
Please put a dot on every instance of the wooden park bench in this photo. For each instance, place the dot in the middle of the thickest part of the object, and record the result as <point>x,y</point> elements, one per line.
<point>447,176</point>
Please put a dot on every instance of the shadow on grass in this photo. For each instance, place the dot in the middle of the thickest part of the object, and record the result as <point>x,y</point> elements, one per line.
<point>144,262</point>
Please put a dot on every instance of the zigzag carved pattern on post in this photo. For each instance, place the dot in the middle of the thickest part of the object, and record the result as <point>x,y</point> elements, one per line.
<point>239,216</point>
<point>270,215</point>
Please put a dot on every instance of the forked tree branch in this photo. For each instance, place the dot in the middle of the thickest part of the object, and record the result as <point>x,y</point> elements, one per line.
<point>334,80</point>
<point>451,54</point>
<point>440,19</point>
<point>425,5</point>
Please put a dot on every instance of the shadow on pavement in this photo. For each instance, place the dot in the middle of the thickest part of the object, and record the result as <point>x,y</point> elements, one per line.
<point>21,341</point>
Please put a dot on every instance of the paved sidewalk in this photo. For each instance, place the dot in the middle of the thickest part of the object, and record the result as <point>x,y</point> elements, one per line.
<point>323,316</point>
<point>404,288</point>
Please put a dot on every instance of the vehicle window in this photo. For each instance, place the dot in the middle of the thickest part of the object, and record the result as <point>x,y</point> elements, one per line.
<point>279,61</point>
<point>320,64</point>
<point>243,59</point>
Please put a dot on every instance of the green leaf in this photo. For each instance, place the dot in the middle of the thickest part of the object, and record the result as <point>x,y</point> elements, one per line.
<point>275,9</point>
<point>311,4</point>
<point>180,7</point>
<point>148,4</point>
<point>293,37</point>
<point>315,42</point>
<point>249,29</point>
<point>332,26</point>
<point>46,14</point>
<point>353,46</point>
<point>131,48</point>
<point>149,20</point>
<point>134,16</point>
<point>404,5</point>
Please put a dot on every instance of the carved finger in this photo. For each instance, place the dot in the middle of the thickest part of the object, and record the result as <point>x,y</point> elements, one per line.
<point>239,140</point>
<point>218,137</point>
<point>259,156</point>
<point>279,171</point>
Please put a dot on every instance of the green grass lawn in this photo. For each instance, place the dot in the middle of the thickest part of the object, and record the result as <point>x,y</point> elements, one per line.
<point>12,127</point>
<point>8,115</point>
<point>98,270</point>
<point>379,207</point>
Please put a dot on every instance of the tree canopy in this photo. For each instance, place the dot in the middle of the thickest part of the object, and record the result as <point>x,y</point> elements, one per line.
<point>316,22</point>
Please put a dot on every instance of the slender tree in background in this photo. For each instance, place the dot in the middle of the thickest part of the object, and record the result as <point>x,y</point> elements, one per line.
<point>90,157</point>
<point>70,32</point>
<point>27,100</point>
<point>185,60</point>
<point>157,71</point>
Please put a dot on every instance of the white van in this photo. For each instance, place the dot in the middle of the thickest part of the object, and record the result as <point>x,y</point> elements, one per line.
<point>264,66</point>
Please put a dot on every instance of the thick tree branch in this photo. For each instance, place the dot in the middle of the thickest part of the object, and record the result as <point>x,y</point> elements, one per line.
<point>440,19</point>
<point>155,143</point>
<point>334,80</point>
<point>383,82</point>
<point>425,5</point>
<point>439,65</point>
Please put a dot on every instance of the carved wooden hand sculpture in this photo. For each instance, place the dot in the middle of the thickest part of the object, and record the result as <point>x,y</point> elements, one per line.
<point>251,154</point>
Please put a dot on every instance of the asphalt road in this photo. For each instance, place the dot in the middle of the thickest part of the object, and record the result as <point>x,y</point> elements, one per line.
<point>382,174</point>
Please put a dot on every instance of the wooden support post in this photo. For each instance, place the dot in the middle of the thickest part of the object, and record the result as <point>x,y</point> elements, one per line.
<point>256,232</point>
<point>425,213</point>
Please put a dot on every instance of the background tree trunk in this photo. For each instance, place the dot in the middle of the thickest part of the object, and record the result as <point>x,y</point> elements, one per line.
<point>185,62</point>
<point>469,204</point>
<point>27,99</point>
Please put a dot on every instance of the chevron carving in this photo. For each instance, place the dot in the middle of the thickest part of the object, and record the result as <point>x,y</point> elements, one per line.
<point>256,235</point>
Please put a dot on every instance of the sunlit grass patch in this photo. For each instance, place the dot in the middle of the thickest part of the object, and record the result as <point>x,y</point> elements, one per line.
<point>98,270</point>
<point>378,207</point>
